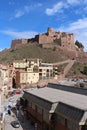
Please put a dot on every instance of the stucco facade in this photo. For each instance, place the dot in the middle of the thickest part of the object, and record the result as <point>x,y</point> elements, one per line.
<point>30,71</point>
<point>24,79</point>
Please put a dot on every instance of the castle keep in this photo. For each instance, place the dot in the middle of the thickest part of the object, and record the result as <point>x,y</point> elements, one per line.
<point>60,38</point>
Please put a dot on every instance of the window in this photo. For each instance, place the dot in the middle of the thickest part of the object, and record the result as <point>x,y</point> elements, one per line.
<point>40,74</point>
<point>40,70</point>
<point>47,70</point>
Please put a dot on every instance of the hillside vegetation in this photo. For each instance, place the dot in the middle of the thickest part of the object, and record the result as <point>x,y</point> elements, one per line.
<point>32,51</point>
<point>7,56</point>
<point>77,71</point>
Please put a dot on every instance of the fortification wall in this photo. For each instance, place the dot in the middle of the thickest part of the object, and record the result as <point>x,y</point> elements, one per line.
<point>60,38</point>
<point>50,32</point>
<point>49,46</point>
<point>43,39</point>
<point>68,41</point>
<point>18,42</point>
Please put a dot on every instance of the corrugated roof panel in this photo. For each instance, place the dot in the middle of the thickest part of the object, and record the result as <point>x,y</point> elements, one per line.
<point>56,95</point>
<point>69,112</point>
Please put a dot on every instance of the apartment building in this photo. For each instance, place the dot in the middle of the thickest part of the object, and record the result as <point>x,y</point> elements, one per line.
<point>25,63</point>
<point>57,107</point>
<point>4,77</point>
<point>45,71</point>
<point>29,71</point>
<point>25,78</point>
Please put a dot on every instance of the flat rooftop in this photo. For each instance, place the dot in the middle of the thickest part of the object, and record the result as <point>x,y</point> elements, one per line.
<point>56,95</point>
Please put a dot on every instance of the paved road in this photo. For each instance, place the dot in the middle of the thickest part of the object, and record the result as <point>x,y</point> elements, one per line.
<point>24,123</point>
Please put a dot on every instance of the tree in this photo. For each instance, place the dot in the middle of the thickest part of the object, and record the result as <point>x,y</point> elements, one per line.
<point>85,70</point>
<point>81,85</point>
<point>79,44</point>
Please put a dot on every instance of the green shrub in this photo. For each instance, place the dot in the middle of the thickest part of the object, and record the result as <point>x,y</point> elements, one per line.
<point>82,85</point>
<point>85,70</point>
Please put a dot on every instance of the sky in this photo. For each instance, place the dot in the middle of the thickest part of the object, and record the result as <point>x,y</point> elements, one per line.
<point>26,18</point>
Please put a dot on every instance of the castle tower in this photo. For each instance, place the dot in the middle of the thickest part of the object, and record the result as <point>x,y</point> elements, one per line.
<point>50,32</point>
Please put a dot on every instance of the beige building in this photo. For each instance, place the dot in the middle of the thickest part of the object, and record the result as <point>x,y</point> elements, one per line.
<point>20,64</point>
<point>30,71</point>
<point>25,63</point>
<point>45,71</point>
<point>26,71</point>
<point>4,77</point>
<point>24,78</point>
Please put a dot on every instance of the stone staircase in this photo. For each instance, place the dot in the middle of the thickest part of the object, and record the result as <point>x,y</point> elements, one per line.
<point>67,68</point>
<point>61,62</point>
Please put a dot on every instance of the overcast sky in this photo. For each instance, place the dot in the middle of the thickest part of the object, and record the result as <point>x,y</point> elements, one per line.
<point>26,18</point>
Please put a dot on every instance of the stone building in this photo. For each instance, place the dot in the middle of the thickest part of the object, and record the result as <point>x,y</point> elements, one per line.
<point>18,42</point>
<point>56,107</point>
<point>60,38</point>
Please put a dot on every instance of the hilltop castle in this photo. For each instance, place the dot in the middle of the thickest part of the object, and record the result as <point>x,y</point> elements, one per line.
<point>60,38</point>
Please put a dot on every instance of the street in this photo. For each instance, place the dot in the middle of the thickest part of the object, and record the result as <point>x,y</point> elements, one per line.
<point>24,123</point>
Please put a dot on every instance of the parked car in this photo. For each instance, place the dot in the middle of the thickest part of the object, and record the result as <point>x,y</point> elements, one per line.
<point>18,92</point>
<point>15,124</point>
<point>14,91</point>
<point>10,93</point>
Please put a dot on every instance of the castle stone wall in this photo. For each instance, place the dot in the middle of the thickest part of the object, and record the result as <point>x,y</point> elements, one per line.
<point>60,38</point>
<point>45,39</point>
<point>68,41</point>
<point>18,42</point>
<point>50,32</point>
